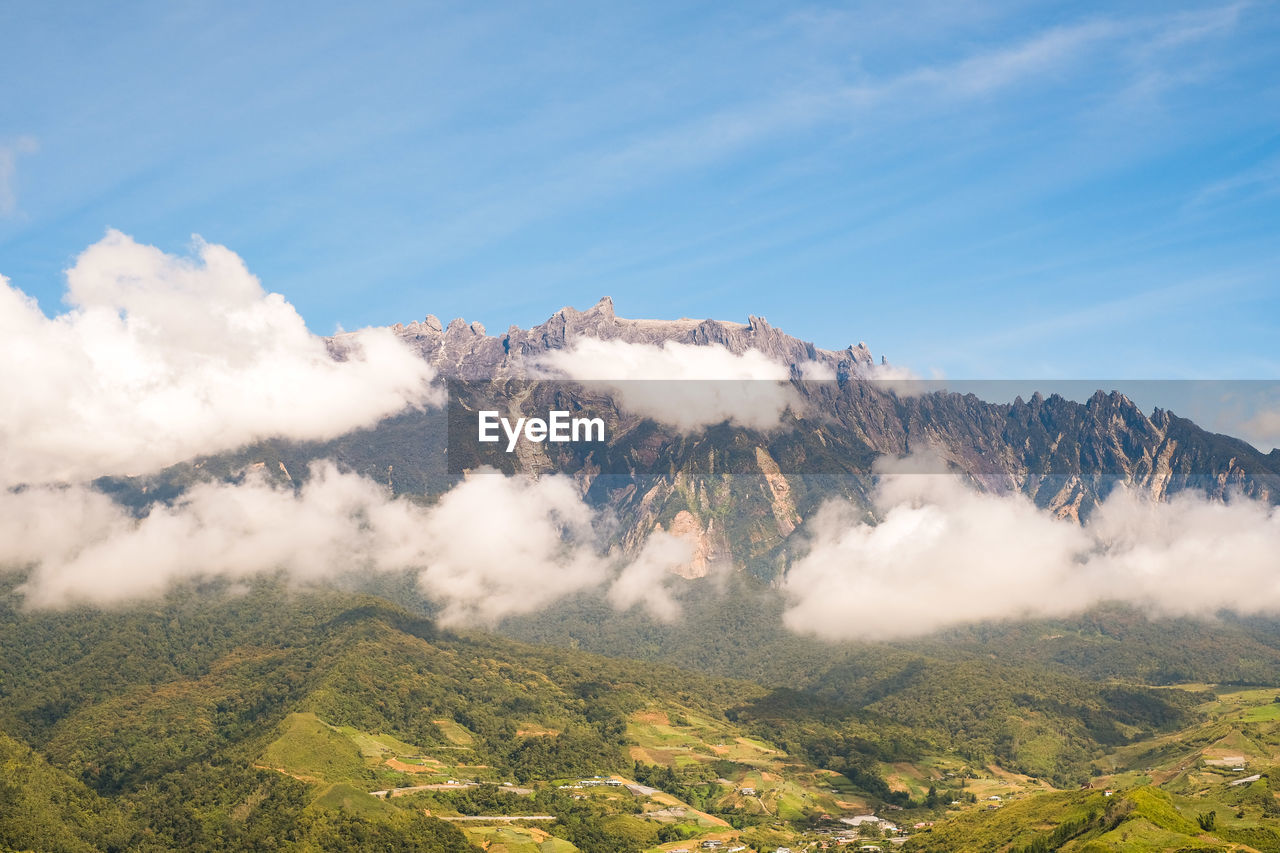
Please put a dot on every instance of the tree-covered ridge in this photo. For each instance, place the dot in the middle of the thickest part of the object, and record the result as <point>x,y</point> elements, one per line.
<point>202,806</point>
<point>263,719</point>
<point>1097,821</point>
<point>156,721</point>
<point>40,802</point>
<point>1042,698</point>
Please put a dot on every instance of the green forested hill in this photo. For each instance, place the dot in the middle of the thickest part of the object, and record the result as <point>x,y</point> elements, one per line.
<point>39,802</point>
<point>159,722</point>
<point>262,719</point>
<point>1044,698</point>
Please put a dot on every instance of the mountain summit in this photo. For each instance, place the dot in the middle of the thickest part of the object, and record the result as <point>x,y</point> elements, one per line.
<point>1064,455</point>
<point>463,350</point>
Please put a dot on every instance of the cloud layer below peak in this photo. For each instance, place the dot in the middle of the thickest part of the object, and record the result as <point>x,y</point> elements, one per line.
<point>944,555</point>
<point>492,547</point>
<point>685,386</point>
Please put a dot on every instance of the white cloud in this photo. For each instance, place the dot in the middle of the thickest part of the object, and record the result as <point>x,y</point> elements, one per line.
<point>685,386</point>
<point>816,371</point>
<point>1189,556</point>
<point>9,172</point>
<point>492,547</point>
<point>940,556</point>
<point>1262,429</point>
<point>983,73</point>
<point>497,546</point>
<point>160,358</point>
<point>647,582</point>
<point>944,555</point>
<point>93,551</point>
<point>887,372</point>
<point>902,381</point>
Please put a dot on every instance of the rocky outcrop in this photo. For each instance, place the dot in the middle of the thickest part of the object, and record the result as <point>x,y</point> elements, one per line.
<point>463,351</point>
<point>703,542</point>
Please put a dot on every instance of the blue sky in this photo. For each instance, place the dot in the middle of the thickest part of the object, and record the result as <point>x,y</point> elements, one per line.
<point>984,190</point>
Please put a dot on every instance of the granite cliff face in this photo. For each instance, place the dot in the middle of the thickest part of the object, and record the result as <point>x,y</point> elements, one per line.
<point>742,497</point>
<point>1065,455</point>
<point>464,350</point>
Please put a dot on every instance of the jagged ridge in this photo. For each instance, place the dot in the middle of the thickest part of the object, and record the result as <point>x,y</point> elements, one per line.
<point>1065,455</point>
<point>464,350</point>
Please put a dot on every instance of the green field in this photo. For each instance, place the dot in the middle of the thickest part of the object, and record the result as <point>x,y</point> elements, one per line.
<point>314,751</point>
<point>503,839</point>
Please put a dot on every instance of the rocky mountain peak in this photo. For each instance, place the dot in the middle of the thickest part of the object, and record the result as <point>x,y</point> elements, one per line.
<point>465,350</point>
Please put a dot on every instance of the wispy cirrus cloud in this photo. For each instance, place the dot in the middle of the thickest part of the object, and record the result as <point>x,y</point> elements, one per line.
<point>9,155</point>
<point>1019,63</point>
<point>1258,181</point>
<point>850,98</point>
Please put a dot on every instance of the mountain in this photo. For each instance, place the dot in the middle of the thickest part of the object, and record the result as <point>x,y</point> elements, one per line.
<point>464,351</point>
<point>1065,455</point>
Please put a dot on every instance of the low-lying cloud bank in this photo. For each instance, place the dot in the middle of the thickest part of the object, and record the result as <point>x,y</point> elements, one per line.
<point>160,358</point>
<point>944,555</point>
<point>495,546</point>
<point>685,386</point>
<point>492,547</point>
